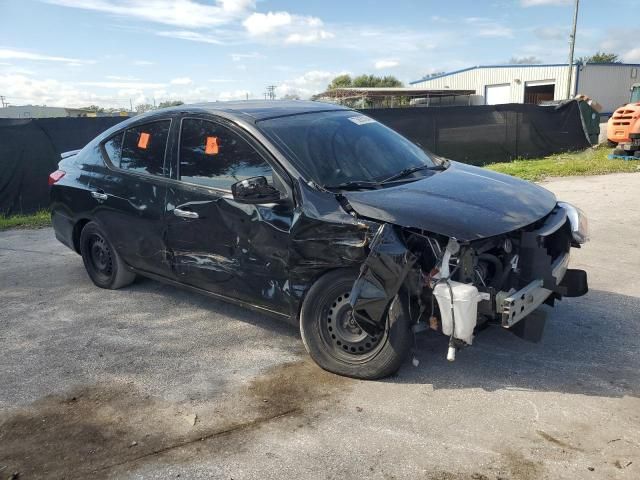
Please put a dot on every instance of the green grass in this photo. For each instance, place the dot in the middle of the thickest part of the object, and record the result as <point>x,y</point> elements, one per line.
<point>39,219</point>
<point>592,161</point>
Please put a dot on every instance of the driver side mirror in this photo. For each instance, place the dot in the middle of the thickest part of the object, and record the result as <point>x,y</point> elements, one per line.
<point>255,190</point>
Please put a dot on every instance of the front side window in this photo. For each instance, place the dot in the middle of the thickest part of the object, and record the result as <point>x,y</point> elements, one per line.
<point>336,147</point>
<point>144,148</point>
<point>214,156</point>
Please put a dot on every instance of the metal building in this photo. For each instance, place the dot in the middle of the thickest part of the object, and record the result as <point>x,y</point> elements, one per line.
<point>607,83</point>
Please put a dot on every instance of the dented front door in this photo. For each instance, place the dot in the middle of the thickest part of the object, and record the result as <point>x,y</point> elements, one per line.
<point>215,243</point>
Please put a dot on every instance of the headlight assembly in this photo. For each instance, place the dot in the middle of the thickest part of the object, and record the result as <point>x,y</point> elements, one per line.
<point>579,222</point>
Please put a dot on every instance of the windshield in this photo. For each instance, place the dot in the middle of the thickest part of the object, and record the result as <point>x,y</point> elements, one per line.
<point>340,147</point>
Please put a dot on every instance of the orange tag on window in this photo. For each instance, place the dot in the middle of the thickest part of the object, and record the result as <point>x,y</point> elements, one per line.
<point>211,147</point>
<point>143,141</point>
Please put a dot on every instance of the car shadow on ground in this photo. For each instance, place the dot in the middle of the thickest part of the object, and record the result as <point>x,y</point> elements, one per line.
<point>273,323</point>
<point>589,347</point>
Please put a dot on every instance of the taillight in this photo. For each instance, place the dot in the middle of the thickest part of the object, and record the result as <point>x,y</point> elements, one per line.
<point>56,176</point>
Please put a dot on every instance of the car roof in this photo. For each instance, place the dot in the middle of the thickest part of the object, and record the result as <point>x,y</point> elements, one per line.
<point>256,109</point>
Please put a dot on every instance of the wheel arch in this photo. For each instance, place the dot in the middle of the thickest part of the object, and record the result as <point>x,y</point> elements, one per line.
<point>77,231</point>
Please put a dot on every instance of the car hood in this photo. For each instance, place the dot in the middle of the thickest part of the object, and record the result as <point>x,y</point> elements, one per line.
<point>464,202</point>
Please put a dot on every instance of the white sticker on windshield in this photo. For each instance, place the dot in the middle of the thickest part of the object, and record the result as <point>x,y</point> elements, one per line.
<point>362,120</point>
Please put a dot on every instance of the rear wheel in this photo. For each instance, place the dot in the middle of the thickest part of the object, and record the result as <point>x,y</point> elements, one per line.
<point>104,266</point>
<point>336,342</point>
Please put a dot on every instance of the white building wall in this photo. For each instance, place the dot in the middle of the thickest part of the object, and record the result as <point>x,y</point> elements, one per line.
<point>478,78</point>
<point>609,85</point>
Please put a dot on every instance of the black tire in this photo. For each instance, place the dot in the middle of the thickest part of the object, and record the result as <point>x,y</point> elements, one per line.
<point>620,152</point>
<point>636,154</point>
<point>611,144</point>
<point>104,266</point>
<point>337,344</point>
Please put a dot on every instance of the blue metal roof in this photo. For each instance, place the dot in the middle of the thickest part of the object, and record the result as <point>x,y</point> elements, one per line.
<point>515,65</point>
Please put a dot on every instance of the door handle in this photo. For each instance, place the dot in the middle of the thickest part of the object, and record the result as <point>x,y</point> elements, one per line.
<point>99,195</point>
<point>185,213</point>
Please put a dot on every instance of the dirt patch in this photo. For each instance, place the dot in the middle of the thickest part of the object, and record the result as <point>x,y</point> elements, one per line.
<point>296,386</point>
<point>91,430</point>
<point>520,467</point>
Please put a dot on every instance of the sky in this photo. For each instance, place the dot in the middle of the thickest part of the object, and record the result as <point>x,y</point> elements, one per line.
<point>117,53</point>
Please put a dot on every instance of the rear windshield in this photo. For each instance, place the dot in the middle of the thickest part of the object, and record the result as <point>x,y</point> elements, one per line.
<point>333,148</point>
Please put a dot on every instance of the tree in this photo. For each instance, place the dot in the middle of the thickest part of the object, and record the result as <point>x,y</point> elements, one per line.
<point>291,96</point>
<point>364,81</point>
<point>341,81</point>
<point>94,108</point>
<point>373,81</point>
<point>143,107</point>
<point>170,103</point>
<point>600,57</point>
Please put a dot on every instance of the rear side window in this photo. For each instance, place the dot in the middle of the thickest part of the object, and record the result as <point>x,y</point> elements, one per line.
<point>215,156</point>
<point>144,148</point>
<point>113,148</point>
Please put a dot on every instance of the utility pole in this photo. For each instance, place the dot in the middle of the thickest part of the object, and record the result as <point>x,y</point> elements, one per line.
<point>271,92</point>
<point>2,97</point>
<point>131,105</point>
<point>572,45</point>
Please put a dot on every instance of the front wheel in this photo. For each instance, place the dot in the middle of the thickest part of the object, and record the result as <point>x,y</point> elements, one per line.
<point>336,342</point>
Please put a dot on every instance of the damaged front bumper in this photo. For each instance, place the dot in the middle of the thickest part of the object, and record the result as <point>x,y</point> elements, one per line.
<point>512,275</point>
<point>519,304</point>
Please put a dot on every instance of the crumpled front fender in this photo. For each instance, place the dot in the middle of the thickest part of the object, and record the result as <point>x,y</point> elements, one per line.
<point>380,279</point>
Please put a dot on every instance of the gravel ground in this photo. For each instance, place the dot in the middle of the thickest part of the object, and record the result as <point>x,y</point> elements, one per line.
<point>155,382</point>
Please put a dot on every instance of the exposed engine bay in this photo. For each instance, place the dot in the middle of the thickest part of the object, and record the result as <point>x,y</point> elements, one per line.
<point>456,287</point>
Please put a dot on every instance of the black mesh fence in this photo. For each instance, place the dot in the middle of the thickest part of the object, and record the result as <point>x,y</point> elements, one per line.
<point>489,133</point>
<point>30,150</point>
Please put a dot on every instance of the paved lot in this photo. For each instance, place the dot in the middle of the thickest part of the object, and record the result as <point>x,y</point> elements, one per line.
<point>154,382</point>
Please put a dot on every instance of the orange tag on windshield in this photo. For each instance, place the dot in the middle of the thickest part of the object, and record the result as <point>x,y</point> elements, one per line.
<point>143,141</point>
<point>211,147</point>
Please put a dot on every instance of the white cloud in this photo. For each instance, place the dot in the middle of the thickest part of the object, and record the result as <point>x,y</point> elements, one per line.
<point>552,33</point>
<point>632,56</point>
<point>184,13</point>
<point>181,81</point>
<point>486,27</point>
<point>143,63</point>
<point>122,85</point>
<point>307,84</point>
<point>264,23</point>
<point>11,54</point>
<point>191,36</point>
<point>311,37</point>
<point>234,95</point>
<point>119,78</point>
<point>35,90</point>
<point>290,28</point>
<point>382,64</point>
<point>537,3</point>
<point>239,57</point>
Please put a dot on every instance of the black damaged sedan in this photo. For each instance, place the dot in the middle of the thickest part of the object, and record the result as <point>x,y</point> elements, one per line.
<point>323,216</point>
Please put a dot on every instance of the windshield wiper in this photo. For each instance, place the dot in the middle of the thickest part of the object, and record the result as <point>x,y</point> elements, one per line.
<point>353,185</point>
<point>408,171</point>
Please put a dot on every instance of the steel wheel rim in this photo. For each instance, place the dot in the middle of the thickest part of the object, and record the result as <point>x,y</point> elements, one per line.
<point>100,256</point>
<point>342,335</point>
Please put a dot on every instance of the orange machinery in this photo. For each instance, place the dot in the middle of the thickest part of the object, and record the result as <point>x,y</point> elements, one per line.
<point>623,128</point>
